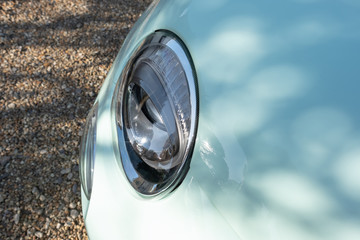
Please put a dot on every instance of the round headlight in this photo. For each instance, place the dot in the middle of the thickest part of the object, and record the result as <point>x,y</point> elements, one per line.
<point>87,151</point>
<point>156,107</point>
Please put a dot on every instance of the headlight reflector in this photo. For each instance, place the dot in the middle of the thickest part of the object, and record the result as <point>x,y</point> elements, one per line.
<point>87,151</point>
<point>155,105</point>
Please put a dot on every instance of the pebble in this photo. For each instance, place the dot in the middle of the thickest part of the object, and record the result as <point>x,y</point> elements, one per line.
<point>39,211</point>
<point>11,106</point>
<point>39,234</point>
<point>47,223</point>
<point>67,198</point>
<point>72,205</point>
<point>76,167</point>
<point>74,213</point>
<point>69,176</point>
<point>65,171</point>
<point>17,218</point>
<point>1,198</point>
<point>74,188</point>
<point>44,151</point>
<point>35,191</point>
<point>4,161</point>
<point>42,198</point>
<point>58,181</point>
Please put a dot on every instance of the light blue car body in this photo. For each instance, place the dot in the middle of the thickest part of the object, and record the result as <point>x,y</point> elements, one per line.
<point>277,154</point>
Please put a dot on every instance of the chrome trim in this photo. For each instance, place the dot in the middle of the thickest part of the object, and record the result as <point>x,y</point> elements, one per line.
<point>87,159</point>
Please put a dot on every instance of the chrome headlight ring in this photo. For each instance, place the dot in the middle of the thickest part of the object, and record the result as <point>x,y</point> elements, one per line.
<point>155,106</point>
<point>87,151</point>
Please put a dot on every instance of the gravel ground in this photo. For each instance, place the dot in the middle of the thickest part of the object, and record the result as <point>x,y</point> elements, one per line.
<point>54,55</point>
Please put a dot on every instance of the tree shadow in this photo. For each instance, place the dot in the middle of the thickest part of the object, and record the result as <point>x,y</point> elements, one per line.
<point>50,73</point>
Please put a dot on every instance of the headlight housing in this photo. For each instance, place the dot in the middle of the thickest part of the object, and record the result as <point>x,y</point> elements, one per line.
<point>87,151</point>
<point>156,110</point>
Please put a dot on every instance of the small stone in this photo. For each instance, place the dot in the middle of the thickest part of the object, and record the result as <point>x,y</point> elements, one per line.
<point>72,205</point>
<point>44,151</point>
<point>74,188</point>
<point>76,167</point>
<point>69,176</point>
<point>39,234</point>
<point>35,191</point>
<point>17,218</point>
<point>1,198</point>
<point>58,180</point>
<point>4,176</point>
<point>39,211</point>
<point>46,226</point>
<point>11,106</point>
<point>58,225</point>
<point>4,161</point>
<point>29,231</point>
<point>65,171</point>
<point>42,198</point>
<point>67,198</point>
<point>74,213</point>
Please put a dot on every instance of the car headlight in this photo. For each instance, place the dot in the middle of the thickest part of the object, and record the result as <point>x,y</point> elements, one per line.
<point>155,105</point>
<point>87,151</point>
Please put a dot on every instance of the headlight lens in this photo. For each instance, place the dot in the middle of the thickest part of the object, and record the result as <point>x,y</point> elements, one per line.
<point>155,107</point>
<point>87,151</point>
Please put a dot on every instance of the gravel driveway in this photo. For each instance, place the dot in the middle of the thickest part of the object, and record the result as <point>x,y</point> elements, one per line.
<point>54,56</point>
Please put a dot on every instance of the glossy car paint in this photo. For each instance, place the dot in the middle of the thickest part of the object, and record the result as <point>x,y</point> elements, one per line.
<point>277,154</point>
